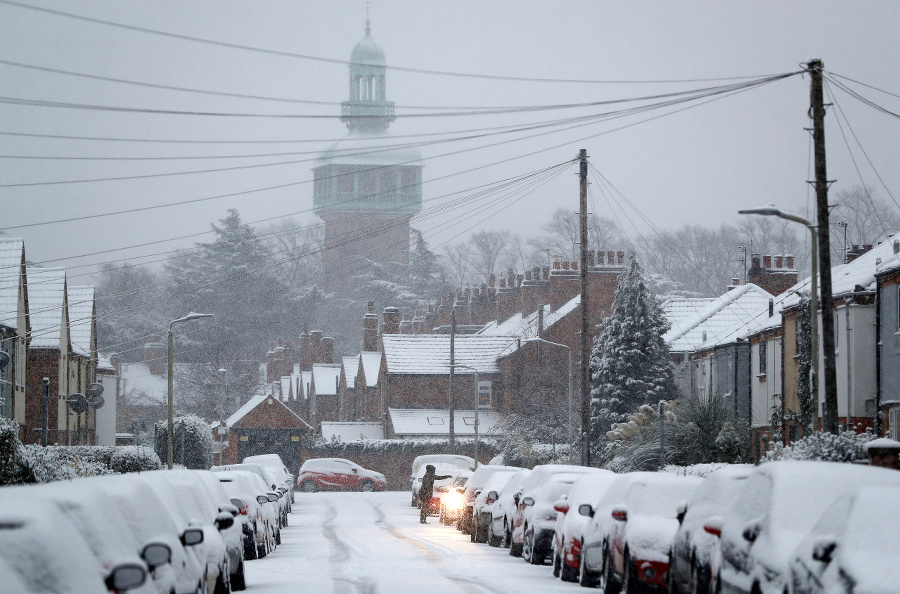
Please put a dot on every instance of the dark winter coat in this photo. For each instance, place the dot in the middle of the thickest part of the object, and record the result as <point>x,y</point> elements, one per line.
<point>427,488</point>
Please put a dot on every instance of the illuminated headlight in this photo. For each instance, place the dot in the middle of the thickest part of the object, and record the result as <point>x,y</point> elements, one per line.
<point>453,500</point>
<point>649,573</point>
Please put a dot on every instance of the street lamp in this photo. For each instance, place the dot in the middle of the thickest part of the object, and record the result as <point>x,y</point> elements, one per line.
<point>475,371</point>
<point>187,318</point>
<point>571,421</point>
<point>771,211</point>
<point>221,429</point>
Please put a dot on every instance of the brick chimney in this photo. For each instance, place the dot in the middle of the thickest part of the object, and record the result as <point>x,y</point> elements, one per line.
<point>856,251</point>
<point>155,355</point>
<point>327,349</point>
<point>509,297</point>
<point>405,324</point>
<point>306,361</point>
<point>390,321</point>
<point>443,311</point>
<point>461,308</point>
<point>370,329</point>
<point>315,347</point>
<point>776,274</point>
<point>431,320</point>
<point>536,291</point>
<point>565,283</point>
<point>288,357</point>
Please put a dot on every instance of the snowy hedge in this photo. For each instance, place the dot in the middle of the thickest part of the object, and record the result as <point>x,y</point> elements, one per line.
<point>191,443</point>
<point>13,468</point>
<point>134,459</point>
<point>322,448</point>
<point>845,447</point>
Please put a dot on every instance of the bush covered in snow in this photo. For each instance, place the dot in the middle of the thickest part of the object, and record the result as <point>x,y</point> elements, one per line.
<point>134,459</point>
<point>191,443</point>
<point>845,447</point>
<point>59,463</point>
<point>13,469</point>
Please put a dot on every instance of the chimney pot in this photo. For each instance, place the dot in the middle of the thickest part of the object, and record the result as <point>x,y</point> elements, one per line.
<point>556,265</point>
<point>779,261</point>
<point>789,262</point>
<point>767,262</point>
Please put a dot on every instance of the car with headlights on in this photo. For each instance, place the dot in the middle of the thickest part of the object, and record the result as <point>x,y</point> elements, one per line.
<point>338,474</point>
<point>473,488</point>
<point>853,548</point>
<point>628,540</point>
<point>690,559</point>
<point>569,531</point>
<point>776,510</point>
<point>415,476</point>
<point>452,500</point>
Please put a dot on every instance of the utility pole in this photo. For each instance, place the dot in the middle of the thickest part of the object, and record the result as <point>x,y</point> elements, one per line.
<point>817,109</point>
<point>585,337</point>
<point>452,368</point>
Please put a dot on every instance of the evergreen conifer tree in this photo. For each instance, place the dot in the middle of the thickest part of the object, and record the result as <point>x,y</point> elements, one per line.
<point>629,363</point>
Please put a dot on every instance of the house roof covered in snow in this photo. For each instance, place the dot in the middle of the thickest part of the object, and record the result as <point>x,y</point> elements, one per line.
<point>10,269</point>
<point>248,406</point>
<point>326,377</point>
<point>140,387</point>
<point>46,296</point>
<point>351,367</point>
<point>286,388</point>
<point>681,310</point>
<point>429,354</point>
<point>371,364</point>
<point>435,422</point>
<point>526,326</point>
<point>718,317</point>
<point>81,316</point>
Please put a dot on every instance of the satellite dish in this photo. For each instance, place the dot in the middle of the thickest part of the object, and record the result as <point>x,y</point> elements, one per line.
<point>96,401</point>
<point>94,389</point>
<point>78,403</point>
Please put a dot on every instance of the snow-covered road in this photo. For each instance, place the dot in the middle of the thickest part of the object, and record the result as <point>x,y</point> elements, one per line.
<point>373,542</point>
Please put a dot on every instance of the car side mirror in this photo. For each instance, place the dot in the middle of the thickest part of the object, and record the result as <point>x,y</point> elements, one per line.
<point>283,490</point>
<point>231,509</point>
<point>192,537</point>
<point>262,499</point>
<point>492,495</point>
<point>126,577</point>
<point>273,497</point>
<point>682,511</point>
<point>586,510</point>
<point>713,526</point>
<point>620,513</point>
<point>156,554</point>
<point>528,501</point>
<point>224,521</point>
<point>823,550</point>
<point>562,506</point>
<point>751,532</point>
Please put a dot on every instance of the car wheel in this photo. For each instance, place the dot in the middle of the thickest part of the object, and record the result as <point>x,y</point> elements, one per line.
<point>237,579</point>
<point>566,573</point>
<point>309,486</point>
<point>278,537</point>
<point>528,552</point>
<point>629,579</point>
<point>586,577</point>
<point>515,548</point>
<point>698,584</point>
<point>367,486</point>
<point>506,542</point>
<point>492,539</point>
<point>610,585</point>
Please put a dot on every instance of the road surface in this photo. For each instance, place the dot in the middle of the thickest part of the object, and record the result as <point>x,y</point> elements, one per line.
<point>374,543</point>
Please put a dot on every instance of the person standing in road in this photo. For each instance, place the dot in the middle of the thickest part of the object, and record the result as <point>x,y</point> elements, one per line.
<point>427,489</point>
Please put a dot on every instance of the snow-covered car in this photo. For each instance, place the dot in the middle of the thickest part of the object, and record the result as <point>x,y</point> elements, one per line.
<point>274,464</point>
<point>233,534</point>
<point>260,514</point>
<point>151,521</point>
<point>628,539</point>
<point>566,548</point>
<point>853,548</point>
<point>460,462</point>
<point>692,547</point>
<point>109,537</point>
<point>481,510</point>
<point>177,490</point>
<point>503,510</point>
<point>272,485</point>
<point>43,552</point>
<point>779,506</point>
<point>337,474</point>
<point>452,500</point>
<point>473,488</point>
<point>539,516</point>
<point>539,475</point>
<point>440,485</point>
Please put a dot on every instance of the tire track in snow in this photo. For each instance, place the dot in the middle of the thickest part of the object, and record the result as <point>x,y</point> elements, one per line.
<point>339,558</point>
<point>430,554</point>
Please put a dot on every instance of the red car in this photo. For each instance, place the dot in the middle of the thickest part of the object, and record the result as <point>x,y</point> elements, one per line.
<point>337,474</point>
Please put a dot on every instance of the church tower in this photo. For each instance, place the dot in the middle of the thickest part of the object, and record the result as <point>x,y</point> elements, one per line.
<point>365,193</point>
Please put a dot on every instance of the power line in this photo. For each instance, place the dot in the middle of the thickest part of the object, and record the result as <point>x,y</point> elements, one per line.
<point>874,88</point>
<point>346,62</point>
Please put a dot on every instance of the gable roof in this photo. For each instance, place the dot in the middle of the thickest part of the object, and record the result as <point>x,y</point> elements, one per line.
<point>11,253</point>
<point>351,367</point>
<point>251,404</point>
<point>524,327</point>
<point>371,364</point>
<point>429,354</point>
<point>435,422</point>
<point>46,296</point>
<point>81,317</point>
<point>681,310</point>
<point>719,316</point>
<point>326,377</point>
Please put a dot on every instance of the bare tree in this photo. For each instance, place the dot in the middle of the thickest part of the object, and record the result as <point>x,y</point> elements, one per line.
<point>868,219</point>
<point>457,260</point>
<point>299,247</point>
<point>561,234</point>
<point>487,249</point>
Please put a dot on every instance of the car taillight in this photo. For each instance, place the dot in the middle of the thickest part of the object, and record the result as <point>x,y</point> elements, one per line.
<point>243,510</point>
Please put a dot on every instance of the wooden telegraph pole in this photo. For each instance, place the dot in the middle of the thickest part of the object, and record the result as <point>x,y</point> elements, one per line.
<point>826,302</point>
<point>585,336</point>
<point>452,438</point>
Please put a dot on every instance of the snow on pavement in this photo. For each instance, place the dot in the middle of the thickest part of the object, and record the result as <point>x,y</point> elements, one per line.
<point>373,543</point>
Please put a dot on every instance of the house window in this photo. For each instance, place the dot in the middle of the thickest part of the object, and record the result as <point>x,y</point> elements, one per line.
<point>762,358</point>
<point>484,394</point>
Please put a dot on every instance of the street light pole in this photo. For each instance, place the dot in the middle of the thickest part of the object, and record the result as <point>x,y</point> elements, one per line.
<point>224,404</point>
<point>171,399</point>
<point>813,298</point>
<point>475,371</point>
<point>571,419</point>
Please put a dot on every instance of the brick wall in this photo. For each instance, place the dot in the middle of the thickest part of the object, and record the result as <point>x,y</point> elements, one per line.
<point>42,363</point>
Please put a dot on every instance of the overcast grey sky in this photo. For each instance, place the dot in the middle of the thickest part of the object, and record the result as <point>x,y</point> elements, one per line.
<point>697,166</point>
